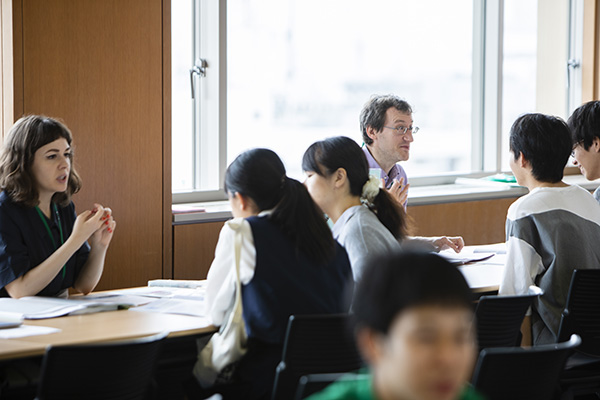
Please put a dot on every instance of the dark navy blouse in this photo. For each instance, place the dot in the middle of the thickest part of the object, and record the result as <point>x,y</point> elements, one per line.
<point>25,244</point>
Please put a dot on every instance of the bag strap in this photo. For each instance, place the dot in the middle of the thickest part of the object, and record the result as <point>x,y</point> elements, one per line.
<point>238,285</point>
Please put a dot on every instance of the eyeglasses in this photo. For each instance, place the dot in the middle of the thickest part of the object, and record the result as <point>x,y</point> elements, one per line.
<point>401,130</point>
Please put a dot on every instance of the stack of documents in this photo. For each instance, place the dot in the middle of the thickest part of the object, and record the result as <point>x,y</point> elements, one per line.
<point>10,320</point>
<point>173,296</point>
<point>180,283</point>
<point>38,307</point>
<point>165,296</point>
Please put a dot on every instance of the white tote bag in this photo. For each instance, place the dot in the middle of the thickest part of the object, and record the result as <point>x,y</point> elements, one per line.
<point>229,344</point>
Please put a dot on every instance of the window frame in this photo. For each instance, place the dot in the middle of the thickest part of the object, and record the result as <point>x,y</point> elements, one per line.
<point>210,100</point>
<point>210,40</point>
<point>575,55</point>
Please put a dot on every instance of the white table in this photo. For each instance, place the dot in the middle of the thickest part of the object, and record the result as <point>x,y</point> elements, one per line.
<point>482,276</point>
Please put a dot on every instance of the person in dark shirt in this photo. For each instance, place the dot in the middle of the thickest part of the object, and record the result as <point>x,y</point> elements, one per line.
<point>44,246</point>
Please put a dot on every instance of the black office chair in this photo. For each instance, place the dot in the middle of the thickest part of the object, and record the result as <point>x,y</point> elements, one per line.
<point>522,373</point>
<point>114,370</point>
<point>581,316</point>
<point>499,318</point>
<point>313,383</point>
<point>582,311</point>
<point>314,344</point>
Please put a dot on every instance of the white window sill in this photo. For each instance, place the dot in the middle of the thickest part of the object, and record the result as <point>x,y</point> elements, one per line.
<point>420,195</point>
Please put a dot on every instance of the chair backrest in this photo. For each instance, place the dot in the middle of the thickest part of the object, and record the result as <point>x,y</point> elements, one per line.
<point>114,370</point>
<point>522,373</point>
<point>499,318</point>
<point>314,344</point>
<point>313,383</point>
<point>582,311</point>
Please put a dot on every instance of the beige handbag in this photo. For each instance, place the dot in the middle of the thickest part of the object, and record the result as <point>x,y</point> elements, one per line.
<point>228,345</point>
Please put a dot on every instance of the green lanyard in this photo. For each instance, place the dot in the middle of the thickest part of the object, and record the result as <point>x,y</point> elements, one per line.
<point>45,221</point>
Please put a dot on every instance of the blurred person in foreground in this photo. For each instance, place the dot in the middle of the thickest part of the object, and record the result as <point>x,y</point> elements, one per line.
<point>414,328</point>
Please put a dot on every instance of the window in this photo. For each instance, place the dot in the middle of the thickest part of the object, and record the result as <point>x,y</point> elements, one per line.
<point>198,94</point>
<point>183,133</point>
<point>282,74</point>
<point>520,33</point>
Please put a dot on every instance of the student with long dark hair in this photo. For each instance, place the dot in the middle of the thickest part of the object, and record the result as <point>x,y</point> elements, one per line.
<point>367,220</point>
<point>290,263</point>
<point>44,246</point>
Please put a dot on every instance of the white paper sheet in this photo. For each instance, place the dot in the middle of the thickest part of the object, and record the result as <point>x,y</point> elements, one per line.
<point>174,306</point>
<point>26,330</point>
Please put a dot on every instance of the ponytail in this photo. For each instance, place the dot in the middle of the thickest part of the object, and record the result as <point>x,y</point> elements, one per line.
<point>391,214</point>
<point>301,220</point>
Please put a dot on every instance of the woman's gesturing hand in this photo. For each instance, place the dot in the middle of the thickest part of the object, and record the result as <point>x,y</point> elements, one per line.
<point>97,225</point>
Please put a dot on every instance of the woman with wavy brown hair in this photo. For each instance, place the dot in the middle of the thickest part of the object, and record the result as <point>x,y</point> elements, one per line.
<point>44,246</point>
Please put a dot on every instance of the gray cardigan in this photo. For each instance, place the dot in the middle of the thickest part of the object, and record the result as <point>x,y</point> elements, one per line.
<point>362,235</point>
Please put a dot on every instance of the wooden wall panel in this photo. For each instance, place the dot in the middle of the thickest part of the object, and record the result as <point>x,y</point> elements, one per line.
<point>98,66</point>
<point>194,249</point>
<point>478,222</point>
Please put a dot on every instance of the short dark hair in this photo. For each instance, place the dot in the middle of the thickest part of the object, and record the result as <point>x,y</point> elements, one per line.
<point>584,124</point>
<point>373,112</point>
<point>398,281</point>
<point>25,137</point>
<point>260,175</point>
<point>545,142</point>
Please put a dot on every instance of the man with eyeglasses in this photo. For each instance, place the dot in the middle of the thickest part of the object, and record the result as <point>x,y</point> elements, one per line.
<point>387,130</point>
<point>584,124</point>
